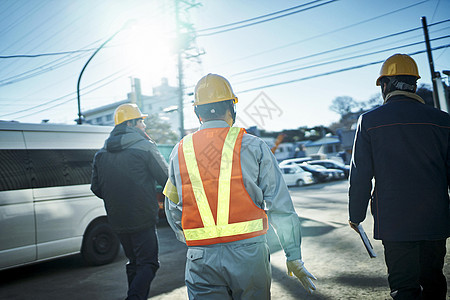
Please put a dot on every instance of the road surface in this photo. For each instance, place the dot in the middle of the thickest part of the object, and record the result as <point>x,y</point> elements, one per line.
<point>331,251</point>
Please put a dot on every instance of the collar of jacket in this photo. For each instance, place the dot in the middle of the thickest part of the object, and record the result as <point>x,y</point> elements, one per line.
<point>123,137</point>
<point>214,124</point>
<point>404,93</point>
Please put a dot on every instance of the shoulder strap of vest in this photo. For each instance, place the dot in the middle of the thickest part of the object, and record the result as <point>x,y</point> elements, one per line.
<point>224,178</point>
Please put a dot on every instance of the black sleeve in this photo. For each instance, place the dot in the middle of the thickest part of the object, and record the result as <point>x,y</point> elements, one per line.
<point>158,165</point>
<point>361,174</point>
<point>448,161</point>
<point>95,187</point>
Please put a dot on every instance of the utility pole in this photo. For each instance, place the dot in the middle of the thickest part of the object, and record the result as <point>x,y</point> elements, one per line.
<point>180,69</point>
<point>185,38</point>
<point>430,61</point>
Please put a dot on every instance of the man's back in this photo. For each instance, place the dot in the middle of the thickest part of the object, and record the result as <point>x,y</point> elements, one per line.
<point>404,146</point>
<point>409,143</point>
<point>124,177</point>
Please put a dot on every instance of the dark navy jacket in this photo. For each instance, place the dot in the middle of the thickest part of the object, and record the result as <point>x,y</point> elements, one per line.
<point>404,146</point>
<point>124,175</point>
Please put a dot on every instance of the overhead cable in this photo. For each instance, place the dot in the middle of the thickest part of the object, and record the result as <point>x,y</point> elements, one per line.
<point>342,59</point>
<point>270,19</point>
<point>256,18</point>
<point>39,70</point>
<point>46,54</point>
<point>329,32</point>
<point>69,100</point>
<point>69,94</point>
<point>335,49</point>
<point>332,72</point>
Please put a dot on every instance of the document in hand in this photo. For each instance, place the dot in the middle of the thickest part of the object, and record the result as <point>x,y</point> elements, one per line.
<point>366,241</point>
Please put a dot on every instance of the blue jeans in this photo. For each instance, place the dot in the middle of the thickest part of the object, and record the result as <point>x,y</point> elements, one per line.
<point>415,269</point>
<point>141,249</point>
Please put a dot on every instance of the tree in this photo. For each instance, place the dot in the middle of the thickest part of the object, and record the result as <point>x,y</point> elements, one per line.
<point>373,102</point>
<point>160,130</point>
<point>426,94</point>
<point>343,105</point>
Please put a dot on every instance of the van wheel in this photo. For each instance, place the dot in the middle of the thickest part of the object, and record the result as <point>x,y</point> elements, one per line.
<point>300,183</point>
<point>100,244</point>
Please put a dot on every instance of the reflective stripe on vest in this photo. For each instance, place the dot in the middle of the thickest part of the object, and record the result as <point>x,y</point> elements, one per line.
<point>219,231</point>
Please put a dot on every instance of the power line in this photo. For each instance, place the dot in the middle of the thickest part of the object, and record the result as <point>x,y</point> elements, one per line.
<point>341,59</point>
<point>67,95</point>
<point>270,19</point>
<point>332,72</point>
<point>35,28</point>
<point>335,49</point>
<point>46,54</point>
<point>51,32</point>
<point>329,32</point>
<point>50,66</point>
<point>39,70</point>
<point>69,100</point>
<point>435,10</point>
<point>256,18</point>
<point>325,52</point>
<point>22,17</point>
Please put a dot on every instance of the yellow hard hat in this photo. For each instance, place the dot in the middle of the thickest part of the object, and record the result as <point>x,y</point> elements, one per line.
<point>213,88</point>
<point>126,112</point>
<point>399,64</point>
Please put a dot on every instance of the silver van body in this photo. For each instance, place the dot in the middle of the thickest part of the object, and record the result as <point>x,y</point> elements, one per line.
<point>46,207</point>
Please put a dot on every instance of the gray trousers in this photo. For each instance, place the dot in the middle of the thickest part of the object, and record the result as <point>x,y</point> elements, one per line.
<point>229,271</point>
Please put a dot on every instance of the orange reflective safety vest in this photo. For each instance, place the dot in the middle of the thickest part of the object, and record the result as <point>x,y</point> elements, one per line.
<point>216,205</point>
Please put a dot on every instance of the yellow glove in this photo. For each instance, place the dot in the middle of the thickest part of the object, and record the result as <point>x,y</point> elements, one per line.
<point>297,267</point>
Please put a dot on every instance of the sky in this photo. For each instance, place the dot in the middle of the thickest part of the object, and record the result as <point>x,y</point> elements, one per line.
<point>286,60</point>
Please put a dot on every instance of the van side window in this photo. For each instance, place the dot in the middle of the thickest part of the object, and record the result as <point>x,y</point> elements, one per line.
<point>13,170</point>
<point>22,169</point>
<point>60,167</point>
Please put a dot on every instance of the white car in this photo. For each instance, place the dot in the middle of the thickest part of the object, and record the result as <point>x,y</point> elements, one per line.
<point>294,161</point>
<point>294,175</point>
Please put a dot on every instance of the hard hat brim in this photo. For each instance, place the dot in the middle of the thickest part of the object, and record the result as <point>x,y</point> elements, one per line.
<point>235,100</point>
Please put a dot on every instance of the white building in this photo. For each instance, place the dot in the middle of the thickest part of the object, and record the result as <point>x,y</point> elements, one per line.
<point>163,102</point>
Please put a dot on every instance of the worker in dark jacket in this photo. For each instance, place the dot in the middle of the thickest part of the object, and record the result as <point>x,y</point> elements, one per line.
<point>404,146</point>
<point>124,175</point>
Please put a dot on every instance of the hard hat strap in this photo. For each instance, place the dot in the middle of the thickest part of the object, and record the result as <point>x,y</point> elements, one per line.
<point>393,82</point>
<point>402,85</point>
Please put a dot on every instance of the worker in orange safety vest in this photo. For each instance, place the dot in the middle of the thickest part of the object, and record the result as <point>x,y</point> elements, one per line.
<point>221,181</point>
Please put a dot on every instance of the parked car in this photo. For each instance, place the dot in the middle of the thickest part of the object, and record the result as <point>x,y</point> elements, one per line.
<point>294,175</point>
<point>294,161</point>
<point>331,164</point>
<point>335,173</point>
<point>319,173</point>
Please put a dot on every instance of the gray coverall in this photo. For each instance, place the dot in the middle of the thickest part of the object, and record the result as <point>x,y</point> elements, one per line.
<point>240,269</point>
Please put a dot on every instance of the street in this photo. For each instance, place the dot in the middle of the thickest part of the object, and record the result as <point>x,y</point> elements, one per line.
<point>331,251</point>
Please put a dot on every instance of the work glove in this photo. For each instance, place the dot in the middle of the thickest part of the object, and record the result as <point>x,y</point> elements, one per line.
<point>297,267</point>
<point>354,226</point>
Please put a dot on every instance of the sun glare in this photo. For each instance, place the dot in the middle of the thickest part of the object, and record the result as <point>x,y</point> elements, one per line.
<point>149,52</point>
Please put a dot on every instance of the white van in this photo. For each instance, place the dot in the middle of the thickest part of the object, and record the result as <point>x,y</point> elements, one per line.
<point>47,209</point>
